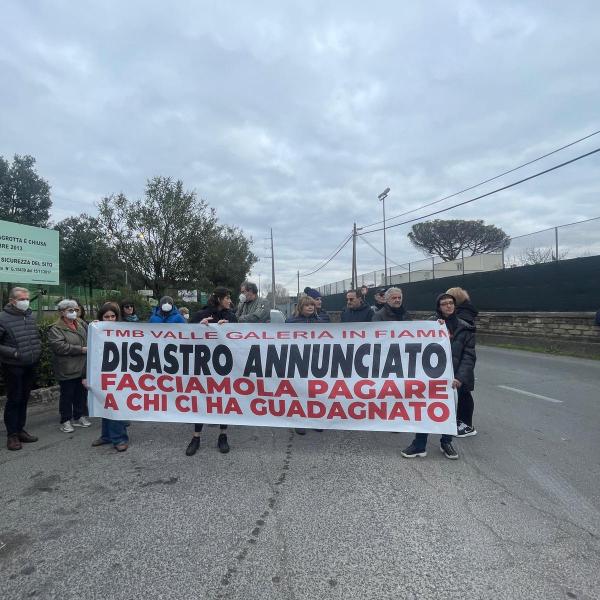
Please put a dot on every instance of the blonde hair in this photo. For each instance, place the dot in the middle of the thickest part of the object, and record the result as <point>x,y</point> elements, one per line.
<point>459,294</point>
<point>303,301</point>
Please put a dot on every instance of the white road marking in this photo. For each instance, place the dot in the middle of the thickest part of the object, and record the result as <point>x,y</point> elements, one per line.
<point>512,389</point>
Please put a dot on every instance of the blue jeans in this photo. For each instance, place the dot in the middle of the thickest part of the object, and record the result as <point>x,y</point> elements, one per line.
<point>420,440</point>
<point>114,432</point>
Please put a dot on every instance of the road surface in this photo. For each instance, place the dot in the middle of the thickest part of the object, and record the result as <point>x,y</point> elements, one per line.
<point>335,515</point>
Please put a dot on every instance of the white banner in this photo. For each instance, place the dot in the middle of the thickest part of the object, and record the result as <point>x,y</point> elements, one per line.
<point>386,376</point>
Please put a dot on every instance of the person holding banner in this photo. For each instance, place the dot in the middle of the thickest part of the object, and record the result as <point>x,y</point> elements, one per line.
<point>166,312</point>
<point>68,342</point>
<point>113,432</point>
<point>305,312</point>
<point>316,296</point>
<point>462,343</point>
<point>251,308</point>
<point>465,407</point>
<point>393,309</point>
<point>356,310</point>
<point>217,311</point>
<point>128,311</point>
<point>20,351</point>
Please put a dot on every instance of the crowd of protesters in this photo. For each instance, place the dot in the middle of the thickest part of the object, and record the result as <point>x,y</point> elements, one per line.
<point>20,351</point>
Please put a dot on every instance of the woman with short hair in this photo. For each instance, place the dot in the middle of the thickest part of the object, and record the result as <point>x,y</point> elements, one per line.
<point>67,339</point>
<point>128,311</point>
<point>305,312</point>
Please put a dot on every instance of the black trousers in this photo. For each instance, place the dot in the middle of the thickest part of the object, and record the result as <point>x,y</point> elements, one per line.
<point>198,427</point>
<point>73,401</point>
<point>465,407</point>
<point>18,382</point>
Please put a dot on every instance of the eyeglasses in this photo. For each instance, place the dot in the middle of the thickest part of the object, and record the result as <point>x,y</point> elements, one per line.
<point>447,303</point>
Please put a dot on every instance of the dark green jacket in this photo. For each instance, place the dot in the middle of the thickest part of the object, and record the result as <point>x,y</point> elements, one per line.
<point>68,359</point>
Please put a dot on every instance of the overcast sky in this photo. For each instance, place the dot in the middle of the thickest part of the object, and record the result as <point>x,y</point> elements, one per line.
<point>296,115</point>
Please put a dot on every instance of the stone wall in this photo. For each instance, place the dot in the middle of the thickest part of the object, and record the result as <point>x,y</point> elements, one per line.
<point>39,396</point>
<point>573,332</point>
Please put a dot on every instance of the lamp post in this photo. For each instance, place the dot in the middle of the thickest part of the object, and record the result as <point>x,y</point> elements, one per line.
<point>382,198</point>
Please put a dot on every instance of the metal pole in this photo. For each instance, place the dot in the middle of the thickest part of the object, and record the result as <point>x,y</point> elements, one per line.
<point>272,268</point>
<point>462,254</point>
<point>298,284</point>
<point>354,283</point>
<point>408,272</point>
<point>556,242</point>
<point>433,267</point>
<point>384,247</point>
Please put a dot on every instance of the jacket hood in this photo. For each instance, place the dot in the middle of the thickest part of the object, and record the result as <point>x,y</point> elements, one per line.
<point>467,311</point>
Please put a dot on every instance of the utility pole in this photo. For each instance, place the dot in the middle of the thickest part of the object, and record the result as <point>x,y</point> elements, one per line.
<point>382,198</point>
<point>272,268</point>
<point>354,269</point>
<point>298,284</point>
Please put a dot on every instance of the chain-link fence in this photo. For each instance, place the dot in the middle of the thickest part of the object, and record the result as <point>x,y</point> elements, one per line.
<point>573,240</point>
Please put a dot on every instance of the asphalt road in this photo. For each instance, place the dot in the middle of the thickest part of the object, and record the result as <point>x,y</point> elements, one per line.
<point>333,515</point>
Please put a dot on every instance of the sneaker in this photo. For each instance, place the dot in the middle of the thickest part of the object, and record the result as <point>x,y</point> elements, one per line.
<point>66,427</point>
<point>193,446</point>
<point>222,443</point>
<point>81,422</point>
<point>465,430</point>
<point>300,431</point>
<point>448,450</point>
<point>413,451</point>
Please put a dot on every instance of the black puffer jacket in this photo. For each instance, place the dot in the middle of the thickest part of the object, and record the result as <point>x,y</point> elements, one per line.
<point>216,313</point>
<point>314,318</point>
<point>467,312</point>
<point>20,343</point>
<point>462,342</point>
<point>387,313</point>
<point>364,313</point>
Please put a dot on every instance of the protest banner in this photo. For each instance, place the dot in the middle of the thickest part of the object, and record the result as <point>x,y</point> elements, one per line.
<point>393,376</point>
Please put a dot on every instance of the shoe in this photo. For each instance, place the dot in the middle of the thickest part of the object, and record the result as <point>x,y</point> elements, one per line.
<point>121,447</point>
<point>193,446</point>
<point>27,438</point>
<point>13,442</point>
<point>465,430</point>
<point>448,450</point>
<point>66,427</point>
<point>413,451</point>
<point>100,442</point>
<point>222,443</point>
<point>300,431</point>
<point>81,422</point>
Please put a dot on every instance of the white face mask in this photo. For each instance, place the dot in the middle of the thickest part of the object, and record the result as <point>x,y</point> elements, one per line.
<point>167,307</point>
<point>242,298</point>
<point>71,315</point>
<point>22,304</point>
<point>186,317</point>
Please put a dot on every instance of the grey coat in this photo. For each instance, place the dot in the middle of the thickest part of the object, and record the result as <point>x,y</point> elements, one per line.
<point>255,311</point>
<point>68,359</point>
<point>20,343</point>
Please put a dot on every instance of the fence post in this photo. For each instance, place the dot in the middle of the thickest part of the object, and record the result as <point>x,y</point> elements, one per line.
<point>503,264</point>
<point>556,242</point>
<point>462,252</point>
<point>433,267</point>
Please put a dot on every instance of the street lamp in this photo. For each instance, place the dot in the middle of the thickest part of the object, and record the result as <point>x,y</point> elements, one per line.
<point>382,198</point>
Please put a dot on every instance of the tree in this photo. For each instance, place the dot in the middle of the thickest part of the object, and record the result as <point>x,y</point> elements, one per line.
<point>85,257</point>
<point>448,239</point>
<point>173,240</point>
<point>24,195</point>
<point>228,259</point>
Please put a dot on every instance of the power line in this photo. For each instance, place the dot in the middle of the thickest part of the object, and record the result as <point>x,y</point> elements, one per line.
<point>506,187</point>
<point>379,251</point>
<point>408,212</point>
<point>329,259</point>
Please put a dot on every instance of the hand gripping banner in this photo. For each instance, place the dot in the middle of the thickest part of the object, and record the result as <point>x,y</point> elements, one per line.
<point>394,376</point>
